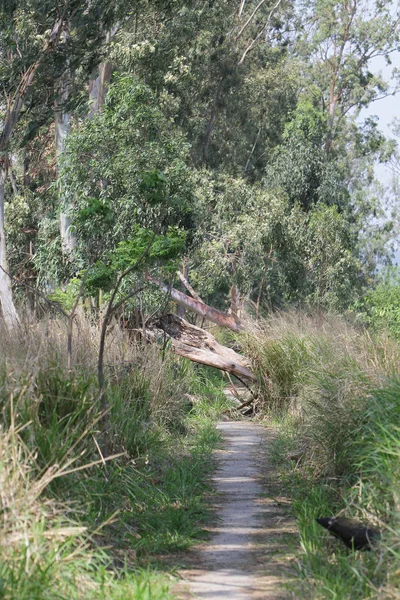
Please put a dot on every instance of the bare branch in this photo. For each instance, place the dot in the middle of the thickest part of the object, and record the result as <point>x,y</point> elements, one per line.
<point>241,7</point>
<point>208,312</point>
<point>249,20</point>
<point>263,29</point>
<point>189,287</point>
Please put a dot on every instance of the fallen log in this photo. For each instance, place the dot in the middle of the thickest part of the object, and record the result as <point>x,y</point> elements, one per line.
<point>208,312</point>
<point>189,288</point>
<point>200,346</point>
<point>211,359</point>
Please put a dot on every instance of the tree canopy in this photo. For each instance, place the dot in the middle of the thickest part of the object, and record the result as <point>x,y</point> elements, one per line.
<point>228,130</point>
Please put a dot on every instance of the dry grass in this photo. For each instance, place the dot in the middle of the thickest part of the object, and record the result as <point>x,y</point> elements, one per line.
<point>52,474</point>
<point>338,391</point>
<point>291,349</point>
<point>37,541</point>
<point>41,346</point>
<point>45,340</point>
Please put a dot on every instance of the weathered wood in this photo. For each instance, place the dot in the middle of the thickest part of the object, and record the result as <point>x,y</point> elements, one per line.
<point>189,288</point>
<point>208,312</point>
<point>200,346</point>
<point>246,403</point>
<point>211,359</point>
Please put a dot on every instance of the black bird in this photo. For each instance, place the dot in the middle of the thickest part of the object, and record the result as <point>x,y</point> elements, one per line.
<point>354,534</point>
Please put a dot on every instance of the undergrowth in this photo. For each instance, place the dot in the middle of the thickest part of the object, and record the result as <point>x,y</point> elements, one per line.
<point>74,524</point>
<point>334,391</point>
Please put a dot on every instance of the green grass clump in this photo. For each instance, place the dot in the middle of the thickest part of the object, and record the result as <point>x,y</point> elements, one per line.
<point>43,553</point>
<point>76,525</point>
<point>336,392</point>
<point>368,490</point>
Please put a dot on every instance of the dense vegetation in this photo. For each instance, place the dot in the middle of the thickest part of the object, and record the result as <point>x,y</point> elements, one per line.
<point>233,127</point>
<point>76,524</point>
<point>334,393</point>
<point>217,146</point>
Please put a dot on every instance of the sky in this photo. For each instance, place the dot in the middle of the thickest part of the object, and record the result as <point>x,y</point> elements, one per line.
<point>386,110</point>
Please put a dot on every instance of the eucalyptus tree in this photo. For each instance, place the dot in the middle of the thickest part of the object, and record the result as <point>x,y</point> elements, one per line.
<point>262,22</point>
<point>40,42</point>
<point>190,57</point>
<point>338,41</point>
<point>18,76</point>
<point>271,249</point>
<point>326,154</point>
<point>126,167</point>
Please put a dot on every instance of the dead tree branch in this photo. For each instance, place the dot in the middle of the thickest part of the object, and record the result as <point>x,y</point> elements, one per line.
<point>208,312</point>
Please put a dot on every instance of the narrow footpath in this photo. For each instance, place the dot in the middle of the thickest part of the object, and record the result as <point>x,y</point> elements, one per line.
<point>244,557</point>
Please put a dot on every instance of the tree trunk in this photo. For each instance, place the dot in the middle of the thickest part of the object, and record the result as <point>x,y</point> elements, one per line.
<point>8,309</point>
<point>200,346</point>
<point>62,121</point>
<point>15,104</point>
<point>235,302</point>
<point>208,312</point>
<point>98,88</point>
<point>10,120</point>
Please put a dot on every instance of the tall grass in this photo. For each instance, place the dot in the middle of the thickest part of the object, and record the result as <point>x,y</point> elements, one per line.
<point>75,525</point>
<point>337,390</point>
<point>43,553</point>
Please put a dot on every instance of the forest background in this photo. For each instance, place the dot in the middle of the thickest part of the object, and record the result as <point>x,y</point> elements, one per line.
<point>216,148</point>
<point>230,132</point>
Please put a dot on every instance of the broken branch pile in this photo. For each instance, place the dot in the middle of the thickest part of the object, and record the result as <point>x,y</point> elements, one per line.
<point>200,346</point>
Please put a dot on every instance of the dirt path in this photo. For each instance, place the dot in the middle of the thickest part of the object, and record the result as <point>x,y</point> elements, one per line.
<point>242,560</point>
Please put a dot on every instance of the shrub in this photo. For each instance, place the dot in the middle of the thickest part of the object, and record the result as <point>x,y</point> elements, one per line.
<point>380,306</point>
<point>340,391</point>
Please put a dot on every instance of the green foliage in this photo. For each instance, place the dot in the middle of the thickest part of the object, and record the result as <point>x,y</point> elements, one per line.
<point>182,99</point>
<point>300,166</point>
<point>336,392</point>
<point>66,296</point>
<point>144,250</point>
<point>351,35</point>
<point>97,211</point>
<point>101,276</point>
<point>192,65</point>
<point>335,269</point>
<point>152,248</point>
<point>272,249</point>
<point>380,306</point>
<point>126,169</point>
<point>152,183</point>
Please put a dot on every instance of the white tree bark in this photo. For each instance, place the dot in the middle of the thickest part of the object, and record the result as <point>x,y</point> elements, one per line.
<point>98,88</point>
<point>62,121</point>
<point>200,346</point>
<point>8,310</point>
<point>9,121</point>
